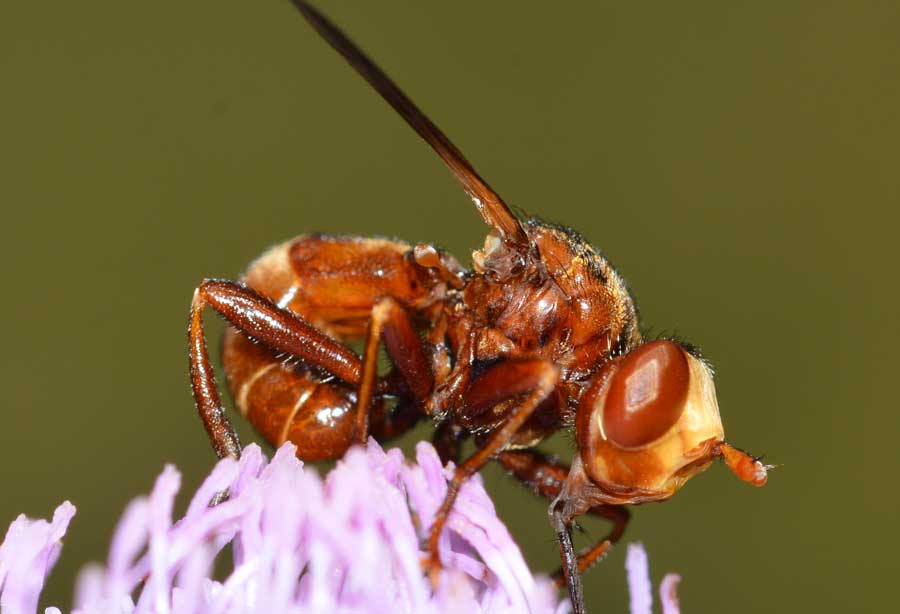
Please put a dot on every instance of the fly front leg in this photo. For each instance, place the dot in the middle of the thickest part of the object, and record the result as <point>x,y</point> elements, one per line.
<point>616,514</point>
<point>546,477</point>
<point>537,379</point>
<point>262,320</point>
<point>391,324</point>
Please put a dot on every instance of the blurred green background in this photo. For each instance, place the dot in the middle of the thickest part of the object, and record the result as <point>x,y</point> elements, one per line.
<point>737,161</point>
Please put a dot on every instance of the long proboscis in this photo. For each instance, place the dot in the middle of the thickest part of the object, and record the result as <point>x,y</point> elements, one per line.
<point>489,204</point>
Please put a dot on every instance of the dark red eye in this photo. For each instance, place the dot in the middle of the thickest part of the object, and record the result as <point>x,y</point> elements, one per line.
<point>646,394</point>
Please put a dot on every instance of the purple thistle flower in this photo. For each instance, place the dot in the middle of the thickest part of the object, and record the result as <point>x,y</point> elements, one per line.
<point>351,543</point>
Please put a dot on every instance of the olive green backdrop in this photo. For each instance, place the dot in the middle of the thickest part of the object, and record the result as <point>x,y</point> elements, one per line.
<point>737,161</point>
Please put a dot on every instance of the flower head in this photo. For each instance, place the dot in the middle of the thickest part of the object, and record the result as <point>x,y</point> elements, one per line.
<point>351,543</point>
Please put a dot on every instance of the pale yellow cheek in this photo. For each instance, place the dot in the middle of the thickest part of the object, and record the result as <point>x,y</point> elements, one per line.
<point>700,420</point>
<point>670,455</point>
<point>699,423</point>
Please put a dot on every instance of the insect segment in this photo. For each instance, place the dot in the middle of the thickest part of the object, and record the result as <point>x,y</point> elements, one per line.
<point>541,335</point>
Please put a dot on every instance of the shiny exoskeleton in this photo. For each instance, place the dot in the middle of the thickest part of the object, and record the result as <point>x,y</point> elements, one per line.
<point>540,335</point>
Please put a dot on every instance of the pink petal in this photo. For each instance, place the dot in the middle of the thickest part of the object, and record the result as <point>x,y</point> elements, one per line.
<point>639,586</point>
<point>668,595</point>
<point>27,554</point>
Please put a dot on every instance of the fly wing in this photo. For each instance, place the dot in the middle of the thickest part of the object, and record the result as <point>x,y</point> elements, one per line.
<point>489,204</point>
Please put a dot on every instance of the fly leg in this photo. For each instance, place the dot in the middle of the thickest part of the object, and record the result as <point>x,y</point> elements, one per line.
<point>546,476</point>
<point>390,324</point>
<point>537,379</point>
<point>619,516</point>
<point>262,320</point>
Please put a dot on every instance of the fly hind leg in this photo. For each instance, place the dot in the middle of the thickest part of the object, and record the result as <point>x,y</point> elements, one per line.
<point>303,298</point>
<point>260,319</point>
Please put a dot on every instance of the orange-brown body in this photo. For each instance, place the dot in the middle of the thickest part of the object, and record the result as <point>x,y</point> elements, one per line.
<point>561,302</point>
<point>333,283</point>
<point>541,334</point>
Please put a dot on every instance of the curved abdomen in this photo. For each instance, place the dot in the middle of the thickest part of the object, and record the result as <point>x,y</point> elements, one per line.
<point>289,402</point>
<point>332,282</point>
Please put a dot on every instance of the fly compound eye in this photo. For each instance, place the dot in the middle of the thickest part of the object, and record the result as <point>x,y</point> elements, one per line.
<point>646,394</point>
